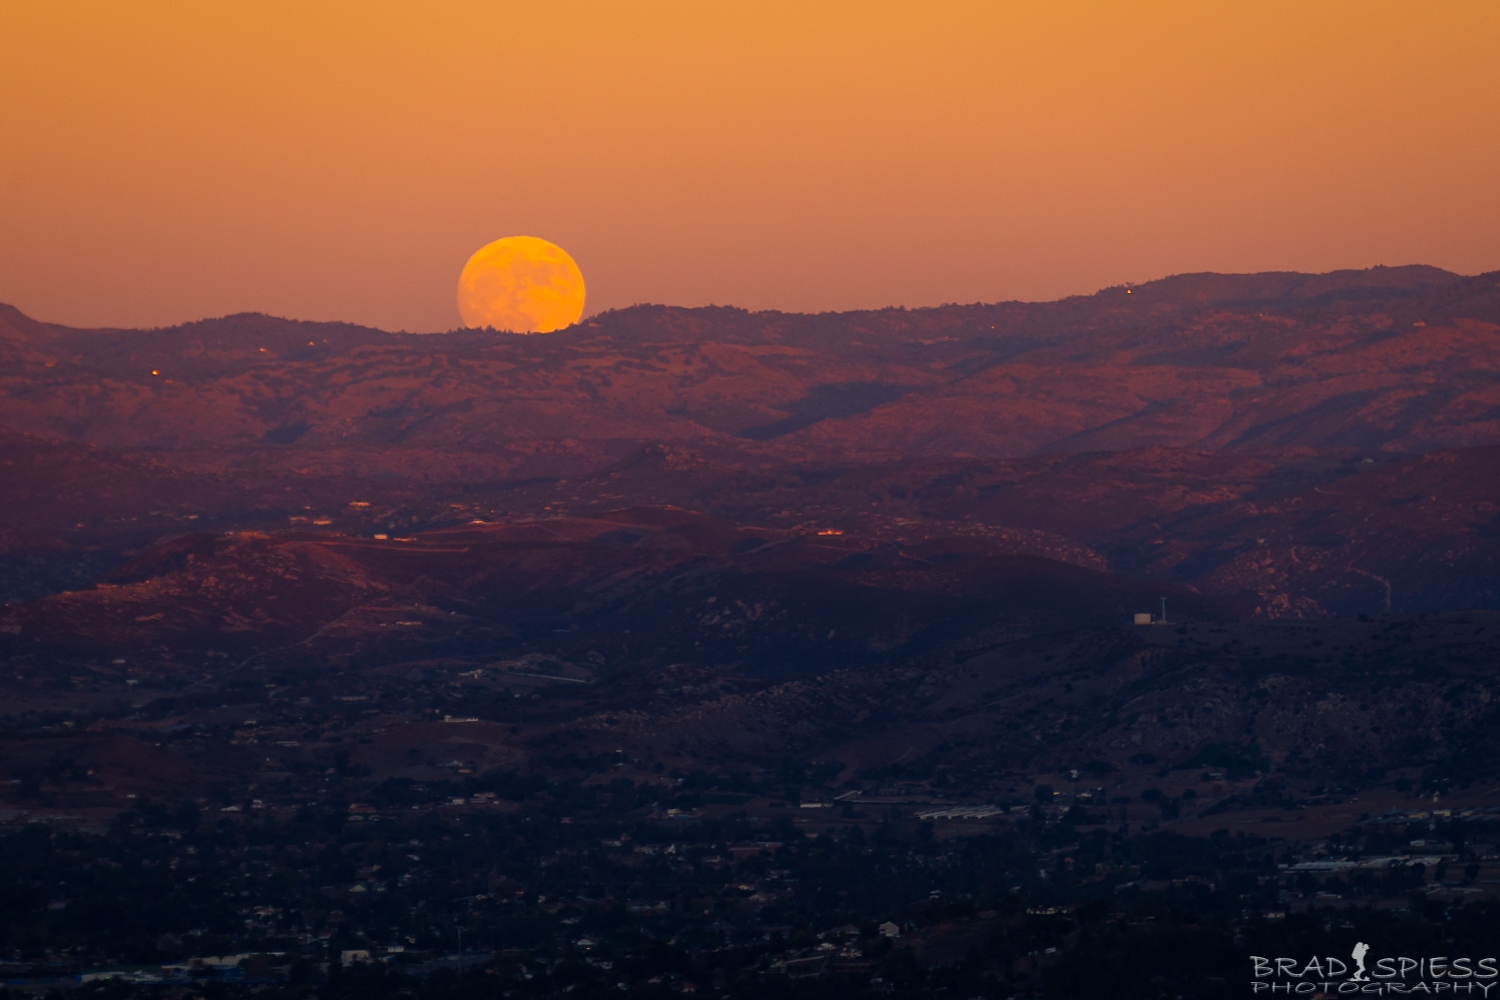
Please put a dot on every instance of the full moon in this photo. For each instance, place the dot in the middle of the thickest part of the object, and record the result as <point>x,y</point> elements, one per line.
<point>522,284</point>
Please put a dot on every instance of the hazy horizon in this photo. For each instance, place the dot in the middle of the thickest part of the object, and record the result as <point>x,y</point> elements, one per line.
<point>591,314</point>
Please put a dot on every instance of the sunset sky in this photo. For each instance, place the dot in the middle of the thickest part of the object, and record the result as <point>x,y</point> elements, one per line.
<point>163,162</point>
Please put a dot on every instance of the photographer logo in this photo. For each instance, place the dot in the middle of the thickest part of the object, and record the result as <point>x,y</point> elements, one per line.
<point>1400,975</point>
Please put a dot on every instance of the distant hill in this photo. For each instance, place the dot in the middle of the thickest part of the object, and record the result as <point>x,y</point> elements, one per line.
<point>1394,359</point>
<point>1295,444</point>
<point>903,545</point>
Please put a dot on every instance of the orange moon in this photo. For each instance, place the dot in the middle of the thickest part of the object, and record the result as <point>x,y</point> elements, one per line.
<point>521,284</point>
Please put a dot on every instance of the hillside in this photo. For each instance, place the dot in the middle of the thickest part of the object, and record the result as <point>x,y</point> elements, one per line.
<point>1396,360</point>
<point>890,546</point>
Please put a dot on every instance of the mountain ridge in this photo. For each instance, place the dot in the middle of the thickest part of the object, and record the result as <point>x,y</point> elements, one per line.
<point>1407,362</point>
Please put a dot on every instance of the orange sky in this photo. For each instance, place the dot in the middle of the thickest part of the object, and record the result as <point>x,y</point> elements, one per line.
<point>166,161</point>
